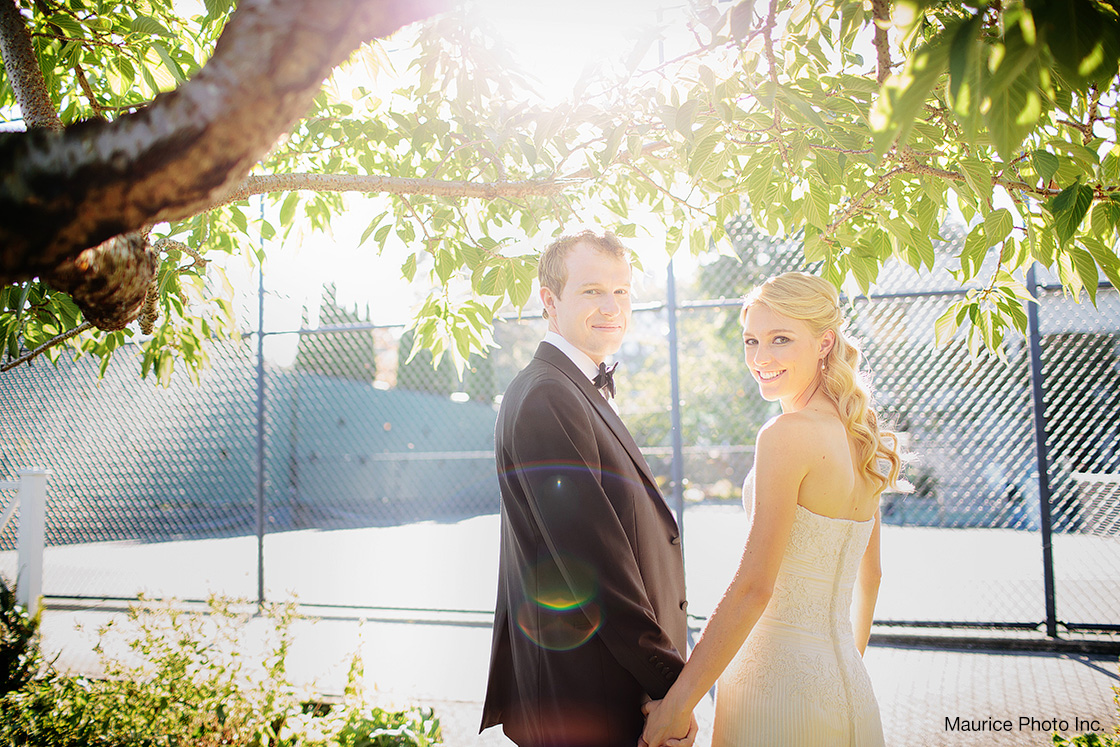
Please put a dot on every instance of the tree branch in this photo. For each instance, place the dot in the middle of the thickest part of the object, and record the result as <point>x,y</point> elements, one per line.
<point>881,11</point>
<point>395,185</point>
<point>772,69</point>
<point>857,204</point>
<point>22,68</point>
<point>46,346</point>
<point>66,191</point>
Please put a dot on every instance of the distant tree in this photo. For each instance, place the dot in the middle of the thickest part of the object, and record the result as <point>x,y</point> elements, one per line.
<point>419,374</point>
<point>721,406</point>
<point>344,355</point>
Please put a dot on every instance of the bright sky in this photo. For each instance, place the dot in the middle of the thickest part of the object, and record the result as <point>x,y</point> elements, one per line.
<point>554,42</point>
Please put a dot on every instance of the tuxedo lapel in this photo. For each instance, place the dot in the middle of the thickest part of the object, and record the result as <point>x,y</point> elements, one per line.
<point>551,355</point>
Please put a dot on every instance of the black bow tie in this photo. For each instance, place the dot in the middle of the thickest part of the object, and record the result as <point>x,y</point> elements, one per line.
<point>605,378</point>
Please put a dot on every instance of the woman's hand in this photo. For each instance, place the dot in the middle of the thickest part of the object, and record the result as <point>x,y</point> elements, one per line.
<point>667,729</point>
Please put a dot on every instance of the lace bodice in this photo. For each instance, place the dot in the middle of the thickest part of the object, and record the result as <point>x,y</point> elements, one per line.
<point>813,589</point>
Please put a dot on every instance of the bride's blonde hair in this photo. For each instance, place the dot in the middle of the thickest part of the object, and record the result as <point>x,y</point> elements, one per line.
<point>813,300</point>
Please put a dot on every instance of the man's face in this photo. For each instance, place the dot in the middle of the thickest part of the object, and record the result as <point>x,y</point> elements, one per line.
<point>593,310</point>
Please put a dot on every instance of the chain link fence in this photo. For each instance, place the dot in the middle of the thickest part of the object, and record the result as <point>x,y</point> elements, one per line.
<point>377,485</point>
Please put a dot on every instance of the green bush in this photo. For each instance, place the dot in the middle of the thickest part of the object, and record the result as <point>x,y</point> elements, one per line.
<point>1087,740</point>
<point>1093,739</point>
<point>175,677</point>
<point>19,642</point>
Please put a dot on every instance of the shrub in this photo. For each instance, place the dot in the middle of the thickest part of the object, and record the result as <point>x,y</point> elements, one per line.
<point>19,642</point>
<point>1093,739</point>
<point>182,678</point>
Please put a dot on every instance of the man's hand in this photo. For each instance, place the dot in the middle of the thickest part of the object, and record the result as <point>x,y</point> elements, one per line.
<point>661,724</point>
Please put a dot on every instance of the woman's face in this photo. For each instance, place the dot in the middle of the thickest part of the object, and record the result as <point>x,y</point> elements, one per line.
<point>783,355</point>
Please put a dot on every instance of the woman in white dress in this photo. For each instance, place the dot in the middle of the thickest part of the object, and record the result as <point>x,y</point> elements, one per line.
<point>787,639</point>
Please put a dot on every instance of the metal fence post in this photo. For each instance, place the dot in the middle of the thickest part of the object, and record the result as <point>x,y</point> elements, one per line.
<point>260,423</point>
<point>32,533</point>
<point>676,470</point>
<point>1039,407</point>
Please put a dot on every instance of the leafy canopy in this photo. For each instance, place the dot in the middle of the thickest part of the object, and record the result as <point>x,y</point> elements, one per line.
<point>858,134</point>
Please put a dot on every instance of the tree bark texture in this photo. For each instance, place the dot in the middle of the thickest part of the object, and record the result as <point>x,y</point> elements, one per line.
<point>23,70</point>
<point>881,12</point>
<point>109,282</point>
<point>65,192</point>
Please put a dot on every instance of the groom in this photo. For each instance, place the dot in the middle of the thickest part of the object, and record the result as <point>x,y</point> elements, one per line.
<point>590,617</point>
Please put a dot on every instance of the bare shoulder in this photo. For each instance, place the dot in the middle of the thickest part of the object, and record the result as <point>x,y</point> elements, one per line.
<point>800,425</point>
<point>793,438</point>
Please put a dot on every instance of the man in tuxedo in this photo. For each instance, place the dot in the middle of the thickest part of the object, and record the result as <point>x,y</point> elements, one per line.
<point>590,619</point>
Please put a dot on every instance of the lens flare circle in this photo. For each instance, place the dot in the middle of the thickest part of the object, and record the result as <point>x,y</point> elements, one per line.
<point>559,630</point>
<point>561,585</point>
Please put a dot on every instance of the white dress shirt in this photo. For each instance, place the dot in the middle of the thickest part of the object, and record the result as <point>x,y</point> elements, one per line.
<point>575,355</point>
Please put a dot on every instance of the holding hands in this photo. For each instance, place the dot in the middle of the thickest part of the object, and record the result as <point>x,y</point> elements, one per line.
<point>662,723</point>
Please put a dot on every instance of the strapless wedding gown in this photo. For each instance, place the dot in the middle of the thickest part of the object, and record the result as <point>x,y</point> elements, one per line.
<point>799,680</point>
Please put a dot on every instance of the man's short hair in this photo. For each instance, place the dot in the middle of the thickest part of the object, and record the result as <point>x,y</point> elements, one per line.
<point>552,270</point>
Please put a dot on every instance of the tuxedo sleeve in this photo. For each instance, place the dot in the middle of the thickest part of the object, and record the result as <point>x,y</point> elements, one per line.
<point>559,468</point>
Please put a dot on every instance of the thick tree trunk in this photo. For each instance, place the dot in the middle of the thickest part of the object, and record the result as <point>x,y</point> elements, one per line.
<point>65,192</point>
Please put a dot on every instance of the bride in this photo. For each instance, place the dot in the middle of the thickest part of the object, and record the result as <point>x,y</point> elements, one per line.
<point>782,641</point>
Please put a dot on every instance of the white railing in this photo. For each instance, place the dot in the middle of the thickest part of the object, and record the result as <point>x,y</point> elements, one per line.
<point>31,497</point>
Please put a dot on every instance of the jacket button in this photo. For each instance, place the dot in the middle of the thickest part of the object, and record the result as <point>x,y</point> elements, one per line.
<point>676,540</point>
<point>653,659</point>
<point>684,605</point>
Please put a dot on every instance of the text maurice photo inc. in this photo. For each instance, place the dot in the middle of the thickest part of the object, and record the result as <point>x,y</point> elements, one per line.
<point>1022,723</point>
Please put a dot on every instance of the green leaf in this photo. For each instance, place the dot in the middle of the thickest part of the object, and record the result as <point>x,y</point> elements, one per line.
<point>964,90</point>
<point>1086,269</point>
<point>1014,91</point>
<point>288,211</point>
<point>610,150</point>
<point>1069,208</point>
<point>408,269</point>
<point>998,225</point>
<point>816,205</point>
<point>1110,165</point>
<point>703,153</point>
<point>978,176</point>
<point>975,247</point>
<point>698,242</point>
<point>947,324</point>
<point>373,224</point>
<point>445,264</point>
<point>69,24</point>
<point>811,115</point>
<point>169,61</point>
<point>148,25</point>
<point>216,8</point>
<point>1045,164</point>
<point>1106,258</point>
<point>923,246</point>
<point>521,284</point>
<point>741,19</point>
<point>1042,243</point>
<point>685,117</point>
<point>903,96</point>
<point>1082,36</point>
<point>493,282</point>
<point>1105,217</point>
<point>462,341</point>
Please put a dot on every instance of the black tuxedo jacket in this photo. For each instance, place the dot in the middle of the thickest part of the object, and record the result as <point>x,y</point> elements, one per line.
<point>590,617</point>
